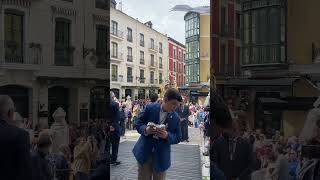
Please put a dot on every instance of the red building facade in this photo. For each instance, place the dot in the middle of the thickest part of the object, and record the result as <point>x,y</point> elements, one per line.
<point>176,57</point>
<point>226,39</point>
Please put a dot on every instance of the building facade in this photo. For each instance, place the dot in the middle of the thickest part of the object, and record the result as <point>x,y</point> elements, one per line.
<point>139,57</point>
<point>54,54</point>
<point>197,59</point>
<point>176,63</point>
<point>226,40</point>
<point>280,70</point>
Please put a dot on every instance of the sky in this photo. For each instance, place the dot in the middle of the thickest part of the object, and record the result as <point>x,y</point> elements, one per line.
<point>158,12</point>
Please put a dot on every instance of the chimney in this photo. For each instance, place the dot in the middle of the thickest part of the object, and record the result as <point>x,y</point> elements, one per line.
<point>149,24</point>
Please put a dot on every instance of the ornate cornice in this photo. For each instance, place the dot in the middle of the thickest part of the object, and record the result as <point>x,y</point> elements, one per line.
<point>20,3</point>
<point>99,18</point>
<point>63,11</point>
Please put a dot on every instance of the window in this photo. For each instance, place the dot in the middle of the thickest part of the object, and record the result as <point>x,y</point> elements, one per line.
<point>141,57</point>
<point>223,58</point>
<point>129,74</point>
<point>152,60</point>
<point>113,3</point>
<point>152,43</point>
<point>238,24</point>
<point>174,53</point>
<point>160,48</point>
<point>142,76</point>
<point>129,56</point>
<point>223,21</point>
<point>264,35</point>
<point>151,77</point>
<point>63,50</point>
<point>129,36</point>
<point>114,50</point>
<point>160,62</point>
<point>192,24</point>
<point>160,78</point>
<point>13,28</point>
<point>114,28</point>
<point>101,45</point>
<point>179,55</point>
<point>103,4</point>
<point>114,72</point>
<point>141,40</point>
<point>174,66</point>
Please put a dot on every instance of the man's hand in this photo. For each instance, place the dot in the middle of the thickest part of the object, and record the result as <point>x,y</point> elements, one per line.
<point>181,119</point>
<point>162,133</point>
<point>150,130</point>
<point>112,128</point>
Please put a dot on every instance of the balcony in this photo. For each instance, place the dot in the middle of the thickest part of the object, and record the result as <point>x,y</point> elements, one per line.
<point>129,38</point>
<point>152,64</point>
<point>266,55</point>
<point>117,57</point>
<point>63,55</point>
<point>129,58</point>
<point>153,48</point>
<point>101,59</point>
<point>116,34</point>
<point>142,61</point>
<point>142,80</point>
<point>129,78</point>
<point>142,43</point>
<point>114,77</point>
<point>20,55</point>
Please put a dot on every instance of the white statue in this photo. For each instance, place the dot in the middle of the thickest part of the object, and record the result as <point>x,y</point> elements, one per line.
<point>59,130</point>
<point>310,127</point>
<point>128,104</point>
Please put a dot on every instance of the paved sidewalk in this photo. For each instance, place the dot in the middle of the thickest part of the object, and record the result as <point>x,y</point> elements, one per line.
<point>187,159</point>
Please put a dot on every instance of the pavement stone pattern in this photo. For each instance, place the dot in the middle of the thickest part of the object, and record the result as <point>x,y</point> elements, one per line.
<point>186,159</point>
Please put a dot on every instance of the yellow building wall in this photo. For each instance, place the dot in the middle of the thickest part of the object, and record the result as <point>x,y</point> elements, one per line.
<point>304,88</point>
<point>303,29</point>
<point>293,121</point>
<point>204,47</point>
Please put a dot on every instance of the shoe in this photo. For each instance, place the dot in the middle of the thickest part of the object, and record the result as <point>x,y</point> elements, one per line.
<point>115,163</point>
<point>187,140</point>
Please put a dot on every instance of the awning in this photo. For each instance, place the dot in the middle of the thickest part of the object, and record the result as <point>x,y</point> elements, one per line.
<point>260,82</point>
<point>269,103</point>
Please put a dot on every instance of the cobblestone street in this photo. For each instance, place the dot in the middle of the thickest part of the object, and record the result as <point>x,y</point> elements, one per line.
<point>187,162</point>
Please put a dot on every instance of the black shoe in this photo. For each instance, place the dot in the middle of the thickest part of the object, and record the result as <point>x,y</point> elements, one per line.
<point>187,140</point>
<point>115,163</point>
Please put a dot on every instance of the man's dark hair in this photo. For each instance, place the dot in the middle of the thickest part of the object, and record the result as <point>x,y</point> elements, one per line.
<point>153,97</point>
<point>173,94</point>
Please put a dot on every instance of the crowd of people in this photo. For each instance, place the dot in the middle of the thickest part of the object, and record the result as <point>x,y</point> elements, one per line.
<point>236,153</point>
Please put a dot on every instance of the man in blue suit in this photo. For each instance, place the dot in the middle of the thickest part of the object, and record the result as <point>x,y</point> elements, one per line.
<point>153,154</point>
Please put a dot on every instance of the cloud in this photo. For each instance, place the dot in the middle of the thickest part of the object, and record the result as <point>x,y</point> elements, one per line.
<point>158,11</point>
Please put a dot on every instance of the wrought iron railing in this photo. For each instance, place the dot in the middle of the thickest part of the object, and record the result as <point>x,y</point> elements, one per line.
<point>129,58</point>
<point>116,32</point>
<point>63,55</point>
<point>13,52</point>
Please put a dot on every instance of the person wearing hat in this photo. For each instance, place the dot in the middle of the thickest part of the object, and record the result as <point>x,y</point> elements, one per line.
<point>41,168</point>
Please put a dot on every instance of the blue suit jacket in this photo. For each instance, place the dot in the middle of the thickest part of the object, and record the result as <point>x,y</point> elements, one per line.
<point>143,148</point>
